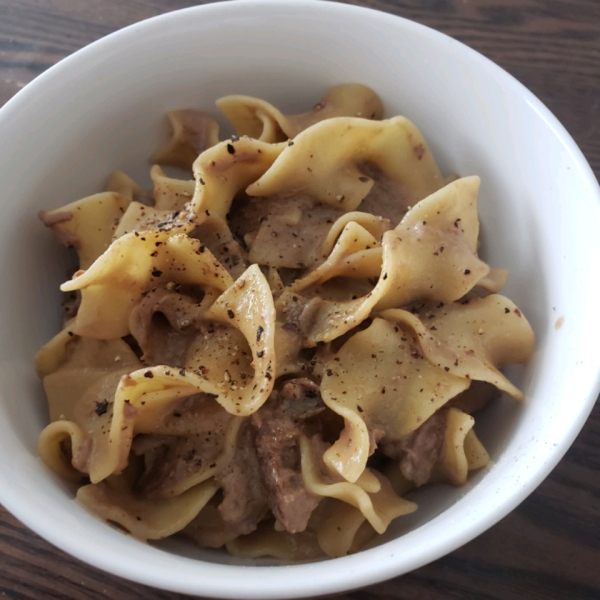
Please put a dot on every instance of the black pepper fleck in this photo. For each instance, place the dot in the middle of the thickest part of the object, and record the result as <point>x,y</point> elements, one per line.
<point>101,407</point>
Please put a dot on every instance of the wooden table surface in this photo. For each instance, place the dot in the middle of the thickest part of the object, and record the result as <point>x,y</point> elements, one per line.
<point>550,546</point>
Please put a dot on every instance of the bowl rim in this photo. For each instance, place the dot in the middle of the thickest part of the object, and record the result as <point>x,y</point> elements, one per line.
<point>274,582</point>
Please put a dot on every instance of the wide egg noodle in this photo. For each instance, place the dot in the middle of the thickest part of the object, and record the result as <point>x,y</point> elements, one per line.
<point>54,352</point>
<point>121,183</point>
<point>215,234</point>
<point>356,254</point>
<point>379,378</point>
<point>87,225</point>
<point>379,506</point>
<point>461,450</point>
<point>193,132</point>
<point>51,448</point>
<point>374,224</point>
<point>473,339</point>
<point>220,173</point>
<point>324,162</point>
<point>258,119</point>
<point>336,535</point>
<point>79,391</point>
<point>114,501</point>
<point>241,361</point>
<point>170,194</point>
<point>227,169</point>
<point>133,265</point>
<point>431,255</point>
<point>268,542</point>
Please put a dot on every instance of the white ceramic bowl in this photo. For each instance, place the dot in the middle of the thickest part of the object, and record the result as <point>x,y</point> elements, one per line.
<point>103,108</point>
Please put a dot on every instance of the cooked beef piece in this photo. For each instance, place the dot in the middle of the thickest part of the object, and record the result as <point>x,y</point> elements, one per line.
<point>301,399</point>
<point>388,198</point>
<point>244,494</point>
<point>420,450</point>
<point>283,232</point>
<point>189,437</point>
<point>279,426</point>
<point>165,322</point>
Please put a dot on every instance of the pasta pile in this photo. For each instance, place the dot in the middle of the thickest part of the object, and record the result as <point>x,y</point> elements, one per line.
<point>268,357</point>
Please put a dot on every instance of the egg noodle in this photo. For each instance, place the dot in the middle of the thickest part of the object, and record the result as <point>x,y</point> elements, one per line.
<point>267,357</point>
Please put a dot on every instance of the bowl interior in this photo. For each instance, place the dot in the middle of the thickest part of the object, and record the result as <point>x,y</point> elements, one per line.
<point>103,109</point>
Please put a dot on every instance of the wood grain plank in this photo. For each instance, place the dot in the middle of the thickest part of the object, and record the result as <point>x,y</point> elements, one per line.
<point>546,549</point>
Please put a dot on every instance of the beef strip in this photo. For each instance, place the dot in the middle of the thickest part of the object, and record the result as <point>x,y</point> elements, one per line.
<point>419,451</point>
<point>166,341</point>
<point>277,433</point>
<point>244,494</point>
<point>283,232</point>
<point>216,236</point>
<point>388,198</point>
<point>297,313</point>
<point>190,435</point>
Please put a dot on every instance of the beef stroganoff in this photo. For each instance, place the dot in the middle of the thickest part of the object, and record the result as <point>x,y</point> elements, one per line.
<point>269,357</point>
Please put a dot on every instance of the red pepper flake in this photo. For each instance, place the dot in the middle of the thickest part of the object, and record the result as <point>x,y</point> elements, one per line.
<point>157,244</point>
<point>230,313</point>
<point>70,333</point>
<point>329,372</point>
<point>156,272</point>
<point>433,328</point>
<point>506,310</point>
<point>384,276</point>
<point>383,390</point>
<point>202,182</point>
<point>230,149</point>
<point>456,223</point>
<point>260,354</point>
<point>259,332</point>
<point>359,408</point>
<point>467,271</point>
<point>149,374</point>
<point>182,372</point>
<point>517,312</point>
<point>446,369</point>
